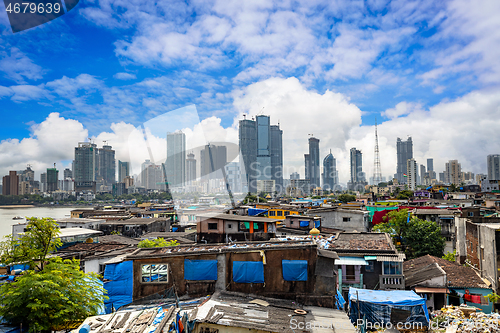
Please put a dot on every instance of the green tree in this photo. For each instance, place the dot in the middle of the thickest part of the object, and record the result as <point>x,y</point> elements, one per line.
<point>405,195</point>
<point>39,239</point>
<point>159,242</point>
<point>55,298</point>
<point>345,198</point>
<point>415,237</point>
<point>450,256</point>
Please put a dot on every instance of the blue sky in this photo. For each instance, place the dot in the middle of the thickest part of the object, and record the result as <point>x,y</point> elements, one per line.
<point>411,64</point>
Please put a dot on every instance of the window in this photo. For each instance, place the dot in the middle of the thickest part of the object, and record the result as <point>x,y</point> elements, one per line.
<point>291,222</point>
<point>272,213</point>
<point>230,226</point>
<point>470,213</point>
<point>346,219</point>
<point>280,213</point>
<point>287,212</point>
<point>212,226</point>
<point>350,273</point>
<point>155,273</point>
<point>371,266</point>
<point>392,268</point>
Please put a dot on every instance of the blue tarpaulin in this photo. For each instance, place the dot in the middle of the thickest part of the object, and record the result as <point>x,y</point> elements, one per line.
<point>199,270</point>
<point>304,223</point>
<point>377,305</point>
<point>255,211</point>
<point>317,223</point>
<point>121,286</point>
<point>248,271</point>
<point>294,270</point>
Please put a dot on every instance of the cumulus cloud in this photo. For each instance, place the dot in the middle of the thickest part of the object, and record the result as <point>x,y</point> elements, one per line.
<point>464,129</point>
<point>300,112</point>
<point>51,141</point>
<point>401,109</point>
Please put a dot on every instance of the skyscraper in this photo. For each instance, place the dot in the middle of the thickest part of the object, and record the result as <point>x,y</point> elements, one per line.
<point>277,155</point>
<point>404,153</point>
<point>453,172</point>
<point>248,154</point>
<point>85,166</point>
<point>312,163</point>
<point>123,170</point>
<point>212,159</point>
<point>430,164</point>
<point>357,181</point>
<point>43,182</point>
<point>11,184</point>
<point>330,177</point>
<point>422,174</point>
<point>52,179</point>
<point>261,152</point>
<point>411,167</point>
<point>190,168</point>
<point>106,172</point>
<point>493,162</point>
<point>176,158</point>
<point>67,173</point>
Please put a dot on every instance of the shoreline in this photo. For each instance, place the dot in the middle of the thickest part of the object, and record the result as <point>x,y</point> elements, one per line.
<point>18,206</point>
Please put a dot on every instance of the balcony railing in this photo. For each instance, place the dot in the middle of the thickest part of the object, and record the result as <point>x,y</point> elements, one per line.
<point>391,282</point>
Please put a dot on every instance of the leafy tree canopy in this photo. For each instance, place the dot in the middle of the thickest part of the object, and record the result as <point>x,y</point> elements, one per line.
<point>55,298</point>
<point>415,237</point>
<point>405,195</point>
<point>159,242</point>
<point>39,239</point>
<point>450,256</point>
<point>345,198</point>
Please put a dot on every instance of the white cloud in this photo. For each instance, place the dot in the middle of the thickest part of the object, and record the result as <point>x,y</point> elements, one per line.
<point>18,67</point>
<point>124,76</point>
<point>51,141</point>
<point>300,112</point>
<point>463,129</point>
<point>401,109</point>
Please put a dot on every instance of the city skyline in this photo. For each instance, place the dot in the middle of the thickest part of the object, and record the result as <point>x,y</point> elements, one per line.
<point>421,68</point>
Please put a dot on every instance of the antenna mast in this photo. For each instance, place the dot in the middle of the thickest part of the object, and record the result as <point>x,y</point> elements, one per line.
<point>377,172</point>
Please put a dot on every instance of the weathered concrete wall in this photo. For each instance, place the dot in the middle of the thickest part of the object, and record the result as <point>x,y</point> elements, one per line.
<point>335,219</point>
<point>487,254</point>
<point>472,244</point>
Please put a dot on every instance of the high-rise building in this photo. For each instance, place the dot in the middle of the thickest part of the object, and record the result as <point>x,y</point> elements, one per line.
<point>123,170</point>
<point>106,171</point>
<point>85,166</point>
<point>422,174</point>
<point>67,173</point>
<point>248,154</point>
<point>261,151</point>
<point>212,160</point>
<point>453,172</point>
<point>357,181</point>
<point>312,163</point>
<point>11,184</point>
<point>330,177</point>
<point>176,159</point>
<point>190,168</point>
<point>430,164</point>
<point>152,177</point>
<point>294,175</point>
<point>52,180</point>
<point>404,153</point>
<point>43,182</point>
<point>493,162</point>
<point>233,176</point>
<point>277,155</point>
<point>412,175</point>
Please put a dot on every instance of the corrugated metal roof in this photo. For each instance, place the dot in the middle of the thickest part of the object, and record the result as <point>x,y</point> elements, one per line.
<point>351,261</point>
<point>400,257</point>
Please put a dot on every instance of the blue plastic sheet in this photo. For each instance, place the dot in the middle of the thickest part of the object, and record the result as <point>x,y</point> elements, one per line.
<point>294,270</point>
<point>304,223</point>
<point>317,223</point>
<point>120,288</point>
<point>248,271</point>
<point>199,270</point>
<point>255,211</point>
<point>376,305</point>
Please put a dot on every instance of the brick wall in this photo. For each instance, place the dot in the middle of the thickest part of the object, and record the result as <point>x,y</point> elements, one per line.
<point>471,240</point>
